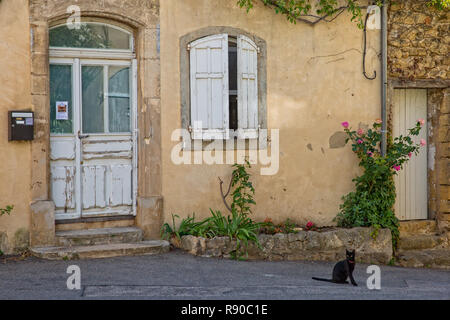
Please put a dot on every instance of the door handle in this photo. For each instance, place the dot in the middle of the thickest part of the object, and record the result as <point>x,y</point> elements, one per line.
<point>82,136</point>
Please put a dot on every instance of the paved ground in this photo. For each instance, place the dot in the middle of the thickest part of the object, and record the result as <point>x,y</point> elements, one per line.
<point>177,275</point>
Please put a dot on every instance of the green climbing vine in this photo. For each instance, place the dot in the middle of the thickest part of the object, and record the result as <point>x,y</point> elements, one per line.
<point>322,10</point>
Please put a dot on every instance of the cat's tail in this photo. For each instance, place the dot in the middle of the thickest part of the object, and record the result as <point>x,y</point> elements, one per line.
<point>321,279</point>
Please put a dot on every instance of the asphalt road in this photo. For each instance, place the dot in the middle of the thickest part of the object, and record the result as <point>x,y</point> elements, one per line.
<point>180,276</point>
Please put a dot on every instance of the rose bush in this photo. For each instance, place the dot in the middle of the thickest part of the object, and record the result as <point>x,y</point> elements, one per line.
<point>372,203</point>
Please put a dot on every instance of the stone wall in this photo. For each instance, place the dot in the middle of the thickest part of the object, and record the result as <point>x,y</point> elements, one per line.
<point>418,40</point>
<point>319,246</point>
<point>443,162</point>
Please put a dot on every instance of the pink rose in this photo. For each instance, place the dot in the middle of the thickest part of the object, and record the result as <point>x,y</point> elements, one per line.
<point>421,121</point>
<point>361,132</point>
<point>410,154</point>
<point>378,121</point>
<point>360,141</point>
<point>369,153</point>
<point>345,124</point>
<point>397,168</point>
<point>423,142</point>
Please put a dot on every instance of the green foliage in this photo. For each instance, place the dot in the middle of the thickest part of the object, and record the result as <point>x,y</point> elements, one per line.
<point>371,204</point>
<point>188,226</point>
<point>237,227</point>
<point>6,210</point>
<point>440,4</point>
<point>243,190</point>
<point>295,10</point>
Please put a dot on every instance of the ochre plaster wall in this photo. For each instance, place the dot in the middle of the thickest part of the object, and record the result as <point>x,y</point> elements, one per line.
<point>314,82</point>
<point>15,157</point>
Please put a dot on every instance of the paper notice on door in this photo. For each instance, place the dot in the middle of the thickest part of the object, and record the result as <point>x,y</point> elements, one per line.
<point>62,110</point>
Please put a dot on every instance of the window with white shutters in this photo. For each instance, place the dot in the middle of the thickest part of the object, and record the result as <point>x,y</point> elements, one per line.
<point>209,87</point>
<point>223,87</point>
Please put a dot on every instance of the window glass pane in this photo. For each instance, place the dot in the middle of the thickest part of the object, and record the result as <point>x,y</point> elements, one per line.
<point>232,65</point>
<point>119,99</point>
<point>233,87</point>
<point>93,36</point>
<point>61,93</point>
<point>233,112</point>
<point>92,99</point>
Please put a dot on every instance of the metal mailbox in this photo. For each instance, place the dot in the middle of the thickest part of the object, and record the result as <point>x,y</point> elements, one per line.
<point>20,125</point>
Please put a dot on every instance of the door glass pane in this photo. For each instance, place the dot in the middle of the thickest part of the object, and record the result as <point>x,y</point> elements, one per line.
<point>119,99</point>
<point>93,99</point>
<point>89,35</point>
<point>61,97</point>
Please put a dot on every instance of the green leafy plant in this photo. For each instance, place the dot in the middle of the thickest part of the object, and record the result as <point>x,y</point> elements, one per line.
<point>6,210</point>
<point>187,226</point>
<point>243,192</point>
<point>372,203</point>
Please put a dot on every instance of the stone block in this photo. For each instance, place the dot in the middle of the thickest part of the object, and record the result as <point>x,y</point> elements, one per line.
<point>42,224</point>
<point>3,243</point>
<point>151,70</point>
<point>39,85</point>
<point>39,64</point>
<point>149,216</point>
<point>21,240</point>
<point>445,150</point>
<point>149,43</point>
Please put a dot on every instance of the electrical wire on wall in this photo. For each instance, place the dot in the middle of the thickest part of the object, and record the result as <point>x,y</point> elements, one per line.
<point>365,51</point>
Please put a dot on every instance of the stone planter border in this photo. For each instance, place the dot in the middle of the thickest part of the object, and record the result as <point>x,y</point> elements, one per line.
<point>304,245</point>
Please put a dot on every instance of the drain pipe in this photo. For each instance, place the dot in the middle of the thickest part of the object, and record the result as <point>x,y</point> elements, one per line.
<point>384,26</point>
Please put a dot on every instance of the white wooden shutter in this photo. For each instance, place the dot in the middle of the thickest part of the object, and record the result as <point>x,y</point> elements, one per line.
<point>209,87</point>
<point>247,87</point>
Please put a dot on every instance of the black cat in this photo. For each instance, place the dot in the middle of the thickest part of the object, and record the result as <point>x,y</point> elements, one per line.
<point>343,270</point>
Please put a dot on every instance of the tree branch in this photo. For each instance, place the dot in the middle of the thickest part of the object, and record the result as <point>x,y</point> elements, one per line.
<point>228,192</point>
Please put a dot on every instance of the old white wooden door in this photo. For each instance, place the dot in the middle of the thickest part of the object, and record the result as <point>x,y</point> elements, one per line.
<point>93,139</point>
<point>411,183</point>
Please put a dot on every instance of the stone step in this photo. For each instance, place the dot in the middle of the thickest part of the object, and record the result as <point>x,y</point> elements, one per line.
<point>431,258</point>
<point>422,241</point>
<point>417,227</point>
<point>90,237</point>
<point>102,250</point>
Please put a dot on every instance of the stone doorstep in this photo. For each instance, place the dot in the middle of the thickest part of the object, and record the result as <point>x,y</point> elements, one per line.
<point>98,236</point>
<point>422,241</point>
<point>418,227</point>
<point>102,250</point>
<point>431,258</point>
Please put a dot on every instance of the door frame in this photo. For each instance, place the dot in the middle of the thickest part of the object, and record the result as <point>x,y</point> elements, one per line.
<point>410,215</point>
<point>98,58</point>
<point>435,93</point>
